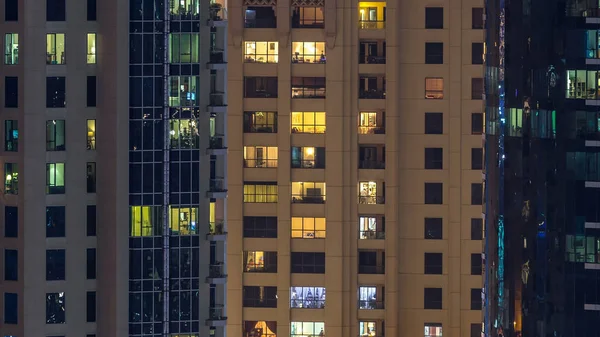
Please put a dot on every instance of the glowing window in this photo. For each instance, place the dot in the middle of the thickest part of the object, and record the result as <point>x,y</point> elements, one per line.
<point>261,52</point>
<point>308,52</point>
<point>308,228</point>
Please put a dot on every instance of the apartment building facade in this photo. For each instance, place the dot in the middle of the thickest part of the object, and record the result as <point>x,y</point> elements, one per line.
<point>112,213</point>
<point>354,168</point>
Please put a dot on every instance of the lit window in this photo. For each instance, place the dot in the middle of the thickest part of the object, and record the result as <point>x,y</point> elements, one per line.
<point>183,48</point>
<point>11,178</point>
<point>433,330</point>
<point>184,8</point>
<point>91,48</point>
<point>307,297</point>
<point>308,228</point>
<point>367,193</point>
<point>367,329</point>
<point>259,261</point>
<point>371,17</point>
<point>260,192</point>
<point>145,221</point>
<point>262,52</point>
<point>260,328</point>
<point>308,122</point>
<point>55,135</point>
<point>183,90</point>
<point>308,192</point>
<point>91,134</point>
<point>183,134</point>
<point>260,156</point>
<point>371,227</point>
<point>308,157</point>
<point>55,178</point>
<point>368,299</point>
<point>184,220</point>
<point>55,49</point>
<point>582,84</point>
<point>303,329</point>
<point>371,123</point>
<point>11,135</point>
<point>308,52</point>
<point>11,48</point>
<point>434,88</point>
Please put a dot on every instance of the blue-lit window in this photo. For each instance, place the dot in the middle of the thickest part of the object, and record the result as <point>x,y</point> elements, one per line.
<point>11,135</point>
<point>592,46</point>
<point>183,90</point>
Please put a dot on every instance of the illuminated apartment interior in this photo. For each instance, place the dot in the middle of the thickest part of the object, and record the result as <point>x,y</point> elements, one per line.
<point>354,172</point>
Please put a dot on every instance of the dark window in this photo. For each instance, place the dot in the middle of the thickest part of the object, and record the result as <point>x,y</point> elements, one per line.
<point>476,229</point>
<point>11,308</point>
<point>91,264</point>
<point>476,194</point>
<point>476,299</point>
<point>476,264</point>
<point>11,10</point>
<point>91,177</point>
<point>476,123</point>
<point>91,306</point>
<point>477,53</point>
<point>55,10</point>
<point>434,17</point>
<point>260,87</point>
<point>308,157</point>
<point>434,157</point>
<point>91,90</point>
<point>433,193</point>
<point>477,88</point>
<point>55,221</point>
<point>434,123</point>
<point>260,226</point>
<point>477,18</point>
<point>259,297</point>
<point>476,158</point>
<point>433,298</point>
<point>91,10</point>
<point>55,308</point>
<point>11,222</point>
<point>433,228</point>
<point>11,265</point>
<point>55,264</point>
<point>313,263</point>
<point>91,220</point>
<point>11,92</point>
<point>260,122</point>
<point>55,92</point>
<point>475,330</point>
<point>433,263</point>
<point>371,262</point>
<point>260,262</point>
<point>11,135</point>
<point>434,53</point>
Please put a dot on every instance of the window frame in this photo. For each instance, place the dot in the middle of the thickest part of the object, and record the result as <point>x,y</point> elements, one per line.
<point>430,123</point>
<point>56,221</point>
<point>308,87</point>
<point>11,178</point>
<point>477,88</point>
<point>251,125</point>
<point>56,264</point>
<point>91,49</point>
<point>53,181</point>
<point>56,302</point>
<point>177,40</point>
<point>252,160</point>
<point>477,229</point>
<point>433,199</point>
<point>268,264</point>
<point>11,139</point>
<point>477,12</point>
<point>250,223</point>
<point>299,54</point>
<point>434,53</point>
<point>433,263</point>
<point>433,298</point>
<point>91,177</point>
<point>477,50</point>
<point>301,122</point>
<point>52,49</point>
<point>91,134</point>
<point>433,228</point>
<point>432,17</point>
<point>307,263</point>
<point>11,92</point>
<point>307,298</point>
<point>301,329</point>
<point>11,308</point>
<point>432,88</point>
<point>304,196</point>
<point>301,228</point>
<point>52,133</point>
<point>251,195</point>
<point>255,57</point>
<point>11,265</point>
<point>10,58</point>
<point>434,158</point>
<point>318,161</point>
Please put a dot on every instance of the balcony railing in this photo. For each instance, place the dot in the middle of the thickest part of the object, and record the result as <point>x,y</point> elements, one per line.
<point>217,312</point>
<point>307,304</point>
<point>371,269</point>
<point>260,303</point>
<point>306,199</point>
<point>371,164</point>
<point>371,235</point>
<point>217,185</point>
<point>371,200</point>
<point>216,228</point>
<point>216,142</point>
<point>371,130</point>
<point>260,163</point>
<point>372,94</point>
<point>371,24</point>
<point>371,304</point>
<point>261,23</point>
<point>260,128</point>
<point>371,59</point>
<point>217,56</point>
<point>217,270</point>
<point>216,99</point>
<point>300,92</point>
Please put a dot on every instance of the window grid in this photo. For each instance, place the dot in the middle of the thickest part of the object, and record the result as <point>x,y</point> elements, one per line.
<point>308,228</point>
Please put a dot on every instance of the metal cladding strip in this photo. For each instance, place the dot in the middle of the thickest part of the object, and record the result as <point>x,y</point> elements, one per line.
<point>166,142</point>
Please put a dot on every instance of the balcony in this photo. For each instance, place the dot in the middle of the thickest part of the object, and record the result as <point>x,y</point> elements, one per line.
<point>216,102</point>
<point>371,304</point>
<point>371,130</point>
<point>371,25</point>
<point>217,16</point>
<point>371,59</point>
<point>260,17</point>
<point>216,146</point>
<point>216,274</point>
<point>216,316</point>
<point>371,93</point>
<point>217,189</point>
<point>371,200</point>
<point>371,235</point>
<point>307,17</point>
<point>371,164</point>
<point>216,231</point>
<point>308,199</point>
<point>217,60</point>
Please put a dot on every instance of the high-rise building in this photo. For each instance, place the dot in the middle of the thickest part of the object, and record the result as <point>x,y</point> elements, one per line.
<point>111,206</point>
<point>354,168</point>
<point>542,249</point>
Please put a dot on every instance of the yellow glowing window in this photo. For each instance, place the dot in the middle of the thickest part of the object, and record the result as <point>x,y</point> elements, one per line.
<point>261,52</point>
<point>308,52</point>
<point>145,221</point>
<point>260,156</point>
<point>308,122</point>
<point>308,228</point>
<point>55,49</point>
<point>183,221</point>
<point>11,178</point>
<point>91,134</point>
<point>261,193</point>
<point>91,48</point>
<point>308,192</point>
<point>260,328</point>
